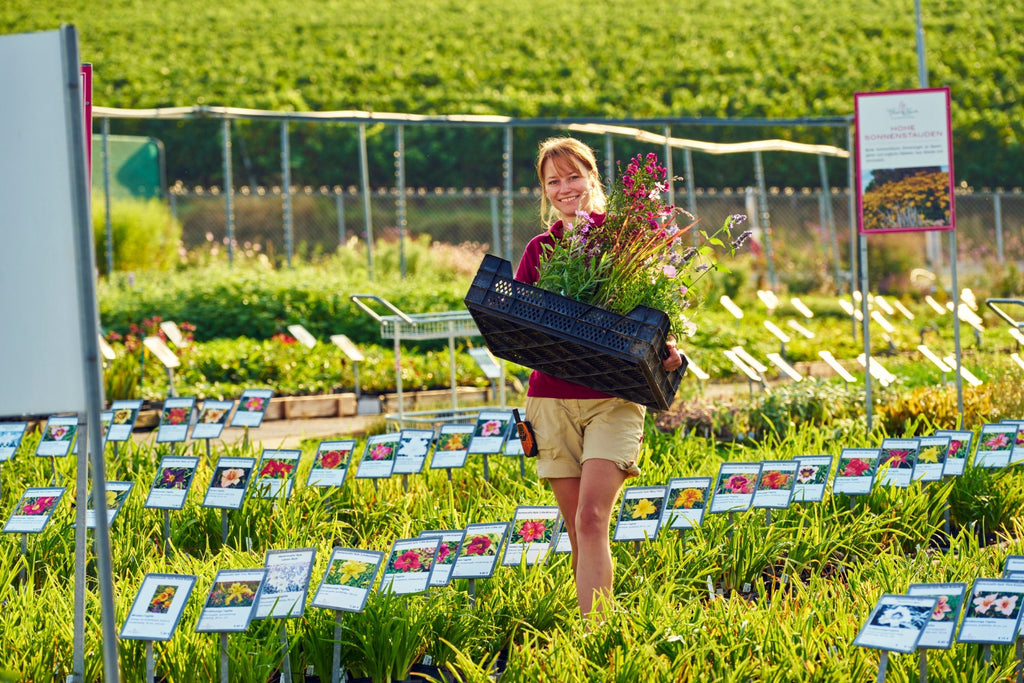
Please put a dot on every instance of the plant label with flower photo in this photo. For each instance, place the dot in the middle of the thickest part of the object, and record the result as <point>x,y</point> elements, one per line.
<point>896,461</point>
<point>33,510</point>
<point>1017,453</point>
<point>125,415</point>
<point>941,628</point>
<point>896,623</point>
<point>685,502</point>
<point>158,607</point>
<point>855,471</point>
<point>287,583</point>
<point>480,549</point>
<point>378,461</point>
<point>409,565</point>
<point>252,406</point>
<point>117,494</point>
<point>774,487</point>
<point>562,543</point>
<point>640,513</point>
<point>211,420</point>
<point>275,474</point>
<point>330,464</point>
<point>413,447</point>
<point>531,535</point>
<point>348,580</point>
<point>232,599</point>
<point>995,445</point>
<point>175,419</point>
<point>447,551</point>
<point>992,612</point>
<point>452,446</point>
<point>172,482</point>
<point>734,487</point>
<point>1013,564</point>
<point>58,434</point>
<point>959,448</point>
<point>11,434</point>
<point>931,458</point>
<point>492,428</point>
<point>230,480</point>
<point>812,474</point>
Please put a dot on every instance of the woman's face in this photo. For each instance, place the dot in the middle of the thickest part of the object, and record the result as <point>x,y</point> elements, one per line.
<point>566,187</point>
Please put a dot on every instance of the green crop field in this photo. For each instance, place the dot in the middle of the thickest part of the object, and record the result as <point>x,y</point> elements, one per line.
<point>523,58</point>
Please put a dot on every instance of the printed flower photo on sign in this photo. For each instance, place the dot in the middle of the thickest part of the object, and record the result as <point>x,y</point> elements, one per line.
<point>855,467</point>
<point>995,442</point>
<point>481,545</point>
<point>773,480</point>
<point>896,458</point>
<point>276,469</point>
<point>452,441</point>
<point>212,416</point>
<point>233,594</point>
<point>61,432</point>
<point>286,578</point>
<point>643,509</point>
<point>230,477</point>
<point>37,505</point>
<point>491,428</point>
<point>330,459</point>
<point>993,605</point>
<point>174,416</point>
<point>162,598</point>
<point>123,416</point>
<point>946,607</point>
<point>736,483</point>
<point>811,474</point>
<point>931,455</point>
<point>382,451</point>
<point>173,478</point>
<point>351,573</point>
<point>254,404</point>
<point>446,552</point>
<point>690,499</point>
<point>413,560</point>
<point>114,499</point>
<point>903,616</point>
<point>532,531</point>
<point>954,448</point>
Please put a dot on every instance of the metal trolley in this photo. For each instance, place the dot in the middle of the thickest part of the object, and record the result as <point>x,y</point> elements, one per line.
<point>400,327</point>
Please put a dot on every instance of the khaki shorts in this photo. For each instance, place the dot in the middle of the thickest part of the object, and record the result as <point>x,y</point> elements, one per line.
<point>571,431</point>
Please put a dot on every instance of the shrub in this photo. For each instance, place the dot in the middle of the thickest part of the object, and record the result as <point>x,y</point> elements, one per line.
<point>146,237</point>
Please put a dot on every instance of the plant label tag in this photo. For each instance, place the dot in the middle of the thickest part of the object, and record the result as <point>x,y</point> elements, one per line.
<point>480,550</point>
<point>330,464</point>
<point>157,607</point>
<point>896,461</point>
<point>348,580</point>
<point>252,406</point>
<point>956,454</point>
<point>941,628</point>
<point>532,532</point>
<point>774,487</point>
<point>171,483</point>
<point>117,494</point>
<point>812,474</point>
<point>58,434</point>
<point>992,612</point>
<point>232,599</point>
<point>734,487</point>
<point>855,471</point>
<point>33,510</point>
<point>686,500</point>
<point>230,480</point>
<point>452,446</point>
<point>125,414</point>
<point>931,458</point>
<point>378,461</point>
<point>995,445</point>
<point>441,573</point>
<point>175,419</point>
<point>212,419</point>
<point>896,623</point>
<point>640,513</point>
<point>11,434</point>
<point>409,565</point>
<point>284,590</point>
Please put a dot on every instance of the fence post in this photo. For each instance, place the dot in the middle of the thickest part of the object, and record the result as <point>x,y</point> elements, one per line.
<point>286,181</point>
<point>997,208</point>
<point>669,173</point>
<point>507,175</point>
<point>827,217</point>
<point>229,191</point>
<point>400,183</point>
<point>609,162</point>
<point>496,227</point>
<point>339,202</point>
<point>765,220</point>
<point>691,190</point>
<point>364,179</point>
<point>108,224</point>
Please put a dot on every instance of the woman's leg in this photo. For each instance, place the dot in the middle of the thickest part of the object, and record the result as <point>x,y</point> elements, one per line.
<point>586,504</point>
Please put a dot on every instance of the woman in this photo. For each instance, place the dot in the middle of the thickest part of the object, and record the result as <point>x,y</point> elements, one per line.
<point>588,441</point>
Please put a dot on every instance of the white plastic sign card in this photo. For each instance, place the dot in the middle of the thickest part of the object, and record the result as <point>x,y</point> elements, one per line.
<point>447,551</point>
<point>490,432</point>
<point>348,579</point>
<point>1013,564</point>
<point>639,514</point>
<point>1013,575</point>
<point>896,623</point>
<point>175,419</point>
<point>959,448</point>
<point>212,418</point>
<point>276,472</point>
<point>230,479</point>
<point>330,464</point>
<point>480,549</point>
<point>734,487</point>
<point>686,500</point>
<point>896,462</point>
<point>992,612</point>
<point>33,510</point>
<point>995,444</point>
<point>287,583</point>
<point>252,406</point>
<point>409,565</point>
<point>125,415</point>
<point>855,471</point>
<point>413,446</point>
<point>11,434</point>
<point>172,482</point>
<point>57,437</point>
<point>378,461</point>
<point>158,606</point>
<point>1017,454</point>
<point>452,446</point>
<point>117,494</point>
<point>941,628</point>
<point>514,445</point>
<point>532,531</point>
<point>232,599</point>
<point>812,474</point>
<point>931,458</point>
<point>562,543</point>
<point>774,488</point>
<point>106,418</point>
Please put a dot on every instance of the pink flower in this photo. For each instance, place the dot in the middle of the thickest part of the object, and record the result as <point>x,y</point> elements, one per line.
<point>941,609</point>
<point>954,448</point>
<point>669,271</point>
<point>532,530</point>
<point>1005,604</point>
<point>983,602</point>
<point>491,428</point>
<point>738,483</point>
<point>408,561</point>
<point>254,404</point>
<point>479,545</point>
<point>381,451</point>
<point>330,459</point>
<point>897,458</point>
<point>856,467</point>
<point>443,551</point>
<point>997,442</point>
<point>57,432</point>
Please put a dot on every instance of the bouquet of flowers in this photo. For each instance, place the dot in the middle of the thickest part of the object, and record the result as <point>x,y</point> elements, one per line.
<point>639,255</point>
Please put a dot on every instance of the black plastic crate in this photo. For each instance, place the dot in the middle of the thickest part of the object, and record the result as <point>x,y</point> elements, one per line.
<point>581,343</point>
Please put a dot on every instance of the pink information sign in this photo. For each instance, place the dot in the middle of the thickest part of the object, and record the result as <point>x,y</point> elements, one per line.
<point>904,161</point>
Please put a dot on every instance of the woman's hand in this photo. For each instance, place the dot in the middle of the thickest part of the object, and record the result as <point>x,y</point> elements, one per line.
<point>672,361</point>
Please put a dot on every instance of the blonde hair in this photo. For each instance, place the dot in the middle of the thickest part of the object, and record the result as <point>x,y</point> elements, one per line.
<point>564,153</point>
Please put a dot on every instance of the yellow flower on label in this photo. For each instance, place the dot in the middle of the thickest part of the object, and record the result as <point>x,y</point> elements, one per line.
<point>644,509</point>
<point>930,454</point>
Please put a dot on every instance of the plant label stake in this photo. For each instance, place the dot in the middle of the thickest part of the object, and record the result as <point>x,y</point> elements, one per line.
<point>1020,660</point>
<point>224,526</point>
<point>768,516</point>
<point>487,471</point>
<point>150,667</point>
<point>522,466</point>
<point>167,531</point>
<point>286,661</point>
<point>337,672</point>
<point>922,666</point>
<point>405,483</point>
<point>883,664</point>
<point>223,658</point>
<point>986,655</point>
<point>24,553</point>
<point>472,592</point>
